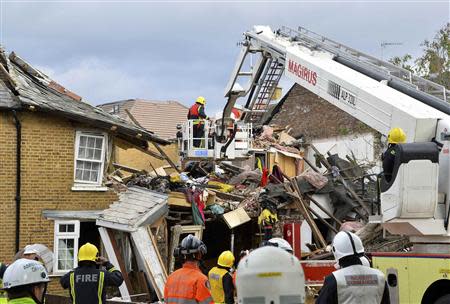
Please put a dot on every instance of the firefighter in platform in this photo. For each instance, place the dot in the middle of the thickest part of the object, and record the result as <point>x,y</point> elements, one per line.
<point>188,285</point>
<point>352,283</point>
<point>25,281</point>
<point>198,116</point>
<point>86,282</point>
<point>395,136</point>
<point>221,280</point>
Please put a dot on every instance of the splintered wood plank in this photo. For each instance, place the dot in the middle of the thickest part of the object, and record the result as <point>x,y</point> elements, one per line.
<point>149,256</point>
<point>236,218</point>
<point>106,240</point>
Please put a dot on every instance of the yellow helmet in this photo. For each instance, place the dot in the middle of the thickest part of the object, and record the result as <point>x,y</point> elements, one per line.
<point>396,136</point>
<point>226,259</point>
<point>87,252</point>
<point>200,100</point>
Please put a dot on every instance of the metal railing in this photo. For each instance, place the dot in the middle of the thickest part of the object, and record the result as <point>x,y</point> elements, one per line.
<point>313,40</point>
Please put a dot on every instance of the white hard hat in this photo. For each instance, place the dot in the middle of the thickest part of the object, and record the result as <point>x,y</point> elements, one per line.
<point>281,243</point>
<point>29,249</point>
<point>345,244</point>
<point>238,107</point>
<point>24,272</point>
<point>270,275</point>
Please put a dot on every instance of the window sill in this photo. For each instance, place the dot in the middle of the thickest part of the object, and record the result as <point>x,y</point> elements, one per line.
<point>57,274</point>
<point>89,188</point>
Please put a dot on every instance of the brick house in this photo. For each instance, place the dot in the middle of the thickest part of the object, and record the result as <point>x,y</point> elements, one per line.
<point>55,153</point>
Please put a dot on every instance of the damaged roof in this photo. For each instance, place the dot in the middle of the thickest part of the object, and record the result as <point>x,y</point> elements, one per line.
<point>136,207</point>
<point>35,91</point>
<point>149,114</point>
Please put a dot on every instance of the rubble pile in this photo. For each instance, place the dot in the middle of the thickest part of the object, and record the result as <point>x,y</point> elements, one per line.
<point>329,192</point>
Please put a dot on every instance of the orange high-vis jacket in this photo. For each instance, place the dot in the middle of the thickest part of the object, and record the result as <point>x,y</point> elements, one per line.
<point>187,285</point>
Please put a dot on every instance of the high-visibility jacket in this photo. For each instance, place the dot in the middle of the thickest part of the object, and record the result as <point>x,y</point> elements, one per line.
<point>197,113</point>
<point>3,294</point>
<point>359,284</point>
<point>222,287</point>
<point>87,283</point>
<point>26,300</point>
<point>187,285</point>
<point>235,114</point>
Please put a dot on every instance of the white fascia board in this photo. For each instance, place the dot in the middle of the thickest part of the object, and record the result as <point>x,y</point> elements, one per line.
<point>115,226</point>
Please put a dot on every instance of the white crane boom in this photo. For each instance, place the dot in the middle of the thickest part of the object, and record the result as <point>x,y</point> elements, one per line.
<point>372,102</point>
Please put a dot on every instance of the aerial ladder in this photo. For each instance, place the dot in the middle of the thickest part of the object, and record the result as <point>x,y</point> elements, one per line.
<point>415,202</point>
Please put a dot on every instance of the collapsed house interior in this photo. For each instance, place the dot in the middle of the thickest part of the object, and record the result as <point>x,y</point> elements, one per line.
<point>222,202</point>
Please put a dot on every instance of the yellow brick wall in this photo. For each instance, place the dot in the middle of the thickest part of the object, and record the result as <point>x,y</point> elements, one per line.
<point>47,178</point>
<point>126,155</point>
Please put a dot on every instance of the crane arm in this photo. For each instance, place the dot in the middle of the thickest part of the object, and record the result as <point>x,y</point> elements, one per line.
<point>336,74</point>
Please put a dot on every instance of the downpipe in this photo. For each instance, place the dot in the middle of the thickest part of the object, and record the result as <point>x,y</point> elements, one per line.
<point>18,175</point>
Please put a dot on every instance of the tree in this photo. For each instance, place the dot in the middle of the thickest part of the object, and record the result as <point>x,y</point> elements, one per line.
<point>434,64</point>
<point>404,62</point>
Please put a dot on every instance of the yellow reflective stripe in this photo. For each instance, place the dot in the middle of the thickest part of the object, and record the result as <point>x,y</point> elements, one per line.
<point>100,287</point>
<point>112,269</point>
<point>72,286</point>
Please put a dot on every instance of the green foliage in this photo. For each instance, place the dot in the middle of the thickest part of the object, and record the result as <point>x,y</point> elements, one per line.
<point>434,64</point>
<point>404,61</point>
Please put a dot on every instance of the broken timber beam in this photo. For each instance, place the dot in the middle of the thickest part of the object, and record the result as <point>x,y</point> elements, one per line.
<point>321,219</point>
<point>151,153</point>
<point>324,210</point>
<point>342,180</point>
<point>126,168</point>
<point>227,196</point>
<point>166,157</point>
<point>305,212</point>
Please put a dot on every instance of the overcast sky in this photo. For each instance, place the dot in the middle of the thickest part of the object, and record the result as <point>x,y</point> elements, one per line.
<point>177,50</point>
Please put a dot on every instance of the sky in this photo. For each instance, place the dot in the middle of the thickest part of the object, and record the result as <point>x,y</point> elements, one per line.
<point>177,50</point>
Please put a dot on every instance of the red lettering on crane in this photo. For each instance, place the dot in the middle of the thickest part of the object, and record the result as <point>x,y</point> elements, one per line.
<point>302,72</point>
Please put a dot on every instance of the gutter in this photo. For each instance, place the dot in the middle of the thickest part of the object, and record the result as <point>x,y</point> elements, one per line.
<point>18,175</point>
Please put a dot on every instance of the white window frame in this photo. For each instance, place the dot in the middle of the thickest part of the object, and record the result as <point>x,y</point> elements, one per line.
<point>78,183</point>
<point>65,235</point>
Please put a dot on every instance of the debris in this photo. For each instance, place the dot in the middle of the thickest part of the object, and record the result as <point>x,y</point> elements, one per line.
<point>158,172</point>
<point>315,179</point>
<point>178,199</point>
<point>236,218</point>
<point>129,169</point>
<point>247,176</point>
<point>285,139</point>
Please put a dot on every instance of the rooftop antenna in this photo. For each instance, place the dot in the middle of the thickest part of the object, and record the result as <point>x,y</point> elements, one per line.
<point>385,44</point>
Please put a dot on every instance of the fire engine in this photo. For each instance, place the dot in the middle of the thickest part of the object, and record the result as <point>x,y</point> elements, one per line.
<point>415,201</point>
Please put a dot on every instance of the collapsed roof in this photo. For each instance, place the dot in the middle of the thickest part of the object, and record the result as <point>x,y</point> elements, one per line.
<point>35,91</point>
